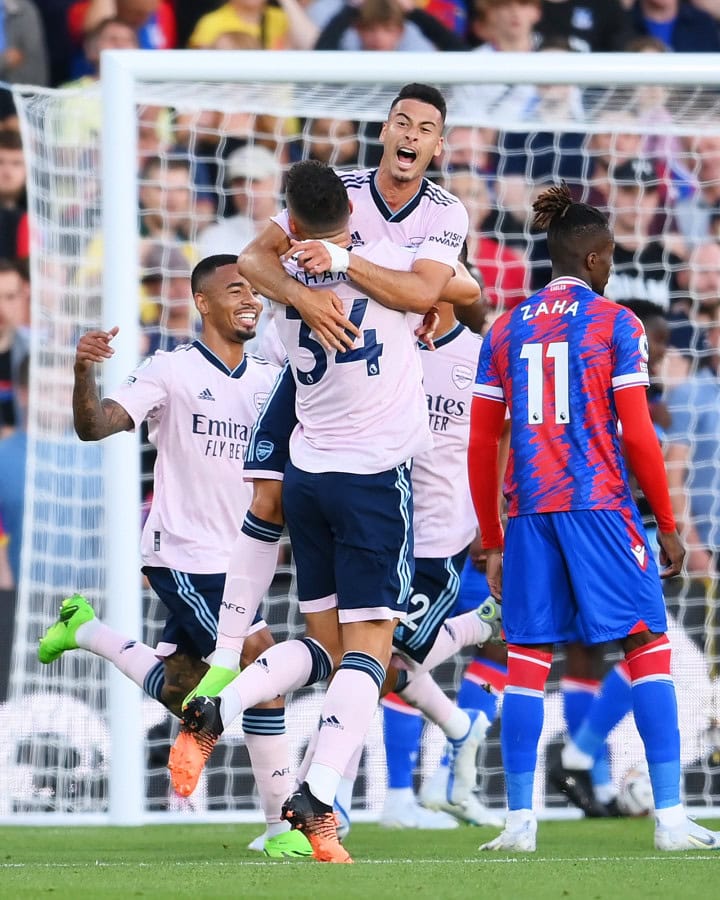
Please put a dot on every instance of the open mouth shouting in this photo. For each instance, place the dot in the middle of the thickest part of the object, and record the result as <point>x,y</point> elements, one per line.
<point>406,157</point>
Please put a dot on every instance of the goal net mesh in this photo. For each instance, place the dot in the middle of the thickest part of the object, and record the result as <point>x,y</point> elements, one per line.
<point>211,159</point>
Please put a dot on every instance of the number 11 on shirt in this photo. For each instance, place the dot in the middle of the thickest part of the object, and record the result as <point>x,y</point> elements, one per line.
<point>536,354</point>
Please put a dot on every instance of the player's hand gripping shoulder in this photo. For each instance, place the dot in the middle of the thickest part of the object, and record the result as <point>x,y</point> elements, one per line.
<point>672,554</point>
<point>95,419</point>
<point>318,256</point>
<point>324,314</point>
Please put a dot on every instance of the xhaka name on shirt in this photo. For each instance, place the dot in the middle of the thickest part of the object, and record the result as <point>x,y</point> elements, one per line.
<point>324,277</point>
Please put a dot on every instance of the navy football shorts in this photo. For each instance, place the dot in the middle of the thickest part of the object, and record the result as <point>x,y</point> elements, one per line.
<point>193,604</point>
<point>433,600</point>
<point>352,541</point>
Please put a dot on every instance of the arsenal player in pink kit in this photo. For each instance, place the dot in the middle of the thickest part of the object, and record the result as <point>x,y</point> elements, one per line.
<point>200,403</point>
<point>570,366</point>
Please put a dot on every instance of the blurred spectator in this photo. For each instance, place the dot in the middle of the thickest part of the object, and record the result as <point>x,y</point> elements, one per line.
<point>505,26</point>
<point>678,24</point>
<point>608,149</point>
<point>107,34</point>
<point>530,160</point>
<point>168,312</point>
<point>503,270</point>
<point>469,148</point>
<point>166,201</point>
<point>8,114</point>
<point>703,281</point>
<point>711,7</point>
<point>694,209</point>
<point>23,54</point>
<point>14,345</point>
<point>214,134</point>
<point>82,116</point>
<point>649,104</point>
<point>22,267</point>
<point>282,27</point>
<point>589,25</point>
<point>386,25</point>
<point>61,48</point>
<point>14,238</point>
<point>643,269</point>
<point>253,176</point>
<point>152,20</point>
<point>693,461</point>
<point>13,452</point>
<point>189,14</point>
<point>331,141</point>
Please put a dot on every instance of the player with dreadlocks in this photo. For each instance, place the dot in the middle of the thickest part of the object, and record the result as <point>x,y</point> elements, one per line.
<point>570,365</point>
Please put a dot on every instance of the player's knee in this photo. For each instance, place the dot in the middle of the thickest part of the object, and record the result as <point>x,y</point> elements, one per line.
<point>583,661</point>
<point>255,644</point>
<point>267,501</point>
<point>330,642</point>
<point>182,675</point>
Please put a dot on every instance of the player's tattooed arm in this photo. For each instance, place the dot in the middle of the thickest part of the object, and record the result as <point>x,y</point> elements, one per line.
<point>95,419</point>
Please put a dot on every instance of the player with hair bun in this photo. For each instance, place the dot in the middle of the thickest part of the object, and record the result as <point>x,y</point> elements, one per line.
<point>570,365</point>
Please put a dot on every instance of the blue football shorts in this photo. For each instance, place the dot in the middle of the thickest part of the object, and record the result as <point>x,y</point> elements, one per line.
<point>586,575</point>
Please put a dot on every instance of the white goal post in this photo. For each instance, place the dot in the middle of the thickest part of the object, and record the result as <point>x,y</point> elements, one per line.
<point>321,83</point>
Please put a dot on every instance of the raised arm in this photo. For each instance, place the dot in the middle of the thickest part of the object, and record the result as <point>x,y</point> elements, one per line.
<point>94,418</point>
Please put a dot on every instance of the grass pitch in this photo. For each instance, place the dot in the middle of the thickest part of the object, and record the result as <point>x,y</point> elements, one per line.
<point>587,860</point>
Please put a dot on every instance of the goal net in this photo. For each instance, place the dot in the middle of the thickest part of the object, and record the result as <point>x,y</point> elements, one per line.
<point>116,229</point>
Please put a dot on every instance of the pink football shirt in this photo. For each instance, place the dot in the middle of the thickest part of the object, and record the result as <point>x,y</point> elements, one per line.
<point>199,416</point>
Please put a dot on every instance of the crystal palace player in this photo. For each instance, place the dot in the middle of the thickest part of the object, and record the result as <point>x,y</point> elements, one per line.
<point>569,365</point>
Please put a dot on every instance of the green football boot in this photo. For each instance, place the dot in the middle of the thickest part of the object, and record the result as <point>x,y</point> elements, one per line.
<point>212,682</point>
<point>74,612</point>
<point>288,845</point>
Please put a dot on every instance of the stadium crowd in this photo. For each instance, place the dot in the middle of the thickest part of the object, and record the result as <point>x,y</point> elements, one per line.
<point>210,180</point>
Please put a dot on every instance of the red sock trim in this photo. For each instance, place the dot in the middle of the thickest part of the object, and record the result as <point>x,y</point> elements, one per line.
<point>623,670</point>
<point>579,685</point>
<point>479,673</point>
<point>650,660</point>
<point>528,668</point>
